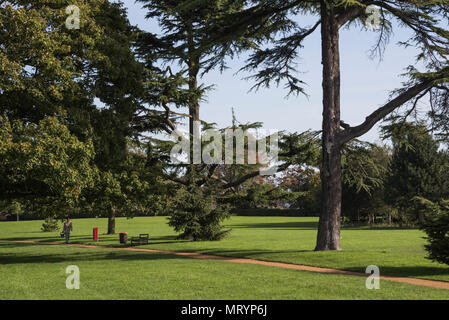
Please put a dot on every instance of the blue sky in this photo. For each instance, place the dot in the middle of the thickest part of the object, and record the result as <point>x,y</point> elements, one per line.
<point>366,83</point>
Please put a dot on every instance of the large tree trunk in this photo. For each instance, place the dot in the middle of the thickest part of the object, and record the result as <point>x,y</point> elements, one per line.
<point>111,222</point>
<point>328,237</point>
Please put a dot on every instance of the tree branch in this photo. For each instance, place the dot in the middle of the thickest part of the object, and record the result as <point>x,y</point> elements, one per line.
<point>177,180</point>
<point>353,132</point>
<point>252,175</point>
<point>349,15</point>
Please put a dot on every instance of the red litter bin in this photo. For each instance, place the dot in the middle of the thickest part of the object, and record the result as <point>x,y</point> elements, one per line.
<point>95,234</point>
<point>123,237</point>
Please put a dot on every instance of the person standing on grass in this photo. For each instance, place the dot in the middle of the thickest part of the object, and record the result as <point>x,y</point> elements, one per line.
<point>66,230</point>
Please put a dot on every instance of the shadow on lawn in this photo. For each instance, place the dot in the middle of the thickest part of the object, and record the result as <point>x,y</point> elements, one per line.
<point>311,225</point>
<point>37,239</point>
<point>249,254</point>
<point>6,245</point>
<point>109,241</point>
<point>374,227</point>
<point>166,239</point>
<point>82,254</point>
<point>53,238</point>
<point>306,225</point>
<point>17,258</point>
<point>412,271</point>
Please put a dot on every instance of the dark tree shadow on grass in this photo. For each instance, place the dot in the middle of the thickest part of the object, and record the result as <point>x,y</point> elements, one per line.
<point>374,228</point>
<point>83,240</point>
<point>167,239</point>
<point>70,257</point>
<point>87,254</point>
<point>241,253</point>
<point>6,245</point>
<point>411,271</point>
<point>306,225</point>
<point>310,225</point>
<point>54,238</point>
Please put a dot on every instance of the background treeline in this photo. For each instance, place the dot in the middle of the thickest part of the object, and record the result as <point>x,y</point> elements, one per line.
<point>382,183</point>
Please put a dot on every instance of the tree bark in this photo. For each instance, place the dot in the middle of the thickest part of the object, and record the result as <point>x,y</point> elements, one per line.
<point>193,64</point>
<point>111,222</point>
<point>194,116</point>
<point>328,237</point>
<point>194,106</point>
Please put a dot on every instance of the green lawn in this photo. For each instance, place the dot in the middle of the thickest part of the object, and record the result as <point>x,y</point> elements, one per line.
<point>38,271</point>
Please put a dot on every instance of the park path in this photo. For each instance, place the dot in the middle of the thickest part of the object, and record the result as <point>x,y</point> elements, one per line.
<point>196,255</point>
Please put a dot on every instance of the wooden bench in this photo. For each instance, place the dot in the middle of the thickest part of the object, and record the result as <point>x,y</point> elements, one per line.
<point>141,239</point>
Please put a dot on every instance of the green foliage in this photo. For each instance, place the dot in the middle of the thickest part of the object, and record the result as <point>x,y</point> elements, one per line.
<point>418,169</point>
<point>197,215</point>
<point>364,165</point>
<point>436,226</point>
<point>259,193</point>
<point>91,81</point>
<point>11,207</point>
<point>278,23</point>
<point>44,64</point>
<point>43,163</point>
<point>50,224</point>
<point>128,190</point>
<point>273,212</point>
<point>364,173</point>
<point>304,184</point>
<point>185,35</point>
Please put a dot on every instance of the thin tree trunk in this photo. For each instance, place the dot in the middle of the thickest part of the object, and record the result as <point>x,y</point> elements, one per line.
<point>328,237</point>
<point>194,106</point>
<point>194,130</point>
<point>421,217</point>
<point>193,65</point>
<point>111,222</point>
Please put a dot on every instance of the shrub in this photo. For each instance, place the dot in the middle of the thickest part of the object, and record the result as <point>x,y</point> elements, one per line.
<point>49,225</point>
<point>197,216</point>
<point>436,225</point>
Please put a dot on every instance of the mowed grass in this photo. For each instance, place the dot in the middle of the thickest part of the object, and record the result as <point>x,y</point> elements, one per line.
<point>398,252</point>
<point>31,271</point>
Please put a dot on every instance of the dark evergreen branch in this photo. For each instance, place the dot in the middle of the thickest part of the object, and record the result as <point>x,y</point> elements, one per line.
<point>279,62</point>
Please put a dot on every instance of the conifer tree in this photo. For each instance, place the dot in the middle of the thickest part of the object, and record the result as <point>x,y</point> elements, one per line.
<point>417,169</point>
<point>184,41</point>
